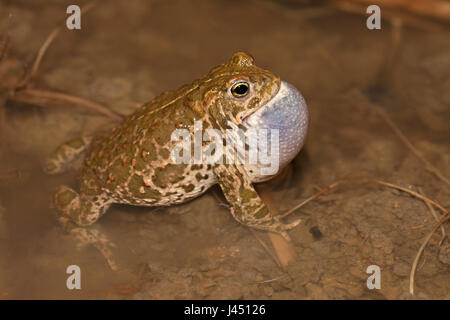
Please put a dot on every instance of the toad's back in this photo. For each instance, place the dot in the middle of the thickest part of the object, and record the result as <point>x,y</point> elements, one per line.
<point>133,163</point>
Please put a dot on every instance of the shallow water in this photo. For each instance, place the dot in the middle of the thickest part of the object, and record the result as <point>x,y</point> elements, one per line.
<point>126,53</point>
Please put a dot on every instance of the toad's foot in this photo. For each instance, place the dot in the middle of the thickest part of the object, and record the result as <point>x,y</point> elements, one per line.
<point>245,204</point>
<point>273,225</point>
<point>285,227</point>
<point>76,213</point>
<point>91,236</point>
<point>66,154</point>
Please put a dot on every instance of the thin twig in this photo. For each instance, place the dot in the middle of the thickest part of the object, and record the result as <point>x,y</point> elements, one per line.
<point>53,95</point>
<point>418,195</point>
<point>21,88</point>
<point>420,226</point>
<point>314,196</point>
<point>273,280</point>
<point>427,201</point>
<point>266,248</point>
<point>362,97</point>
<point>428,166</point>
<point>435,216</point>
<point>281,244</point>
<point>38,59</point>
<point>43,49</point>
<point>399,133</point>
<point>419,253</point>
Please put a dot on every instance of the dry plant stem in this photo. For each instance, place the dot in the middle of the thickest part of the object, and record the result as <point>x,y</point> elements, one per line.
<point>26,80</point>
<point>273,280</point>
<point>387,184</point>
<point>314,196</point>
<point>261,242</point>
<point>428,166</point>
<point>433,213</point>
<point>420,226</point>
<point>396,37</point>
<point>419,253</point>
<point>405,140</point>
<point>365,101</point>
<point>22,86</point>
<point>283,248</point>
<point>415,194</point>
<point>43,50</point>
<point>52,95</point>
<point>427,201</point>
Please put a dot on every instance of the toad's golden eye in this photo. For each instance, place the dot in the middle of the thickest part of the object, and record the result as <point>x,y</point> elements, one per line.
<point>240,89</point>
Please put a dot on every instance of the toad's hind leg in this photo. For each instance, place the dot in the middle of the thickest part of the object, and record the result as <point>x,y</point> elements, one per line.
<point>66,154</point>
<point>76,212</point>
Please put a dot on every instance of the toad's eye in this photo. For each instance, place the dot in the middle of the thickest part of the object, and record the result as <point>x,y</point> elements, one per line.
<point>240,89</point>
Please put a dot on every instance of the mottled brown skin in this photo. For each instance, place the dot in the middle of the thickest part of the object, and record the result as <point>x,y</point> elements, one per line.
<point>132,164</point>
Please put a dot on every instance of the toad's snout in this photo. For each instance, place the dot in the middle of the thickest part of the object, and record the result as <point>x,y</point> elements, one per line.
<point>287,113</point>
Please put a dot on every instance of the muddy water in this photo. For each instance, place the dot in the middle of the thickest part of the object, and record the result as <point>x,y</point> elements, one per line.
<point>126,53</point>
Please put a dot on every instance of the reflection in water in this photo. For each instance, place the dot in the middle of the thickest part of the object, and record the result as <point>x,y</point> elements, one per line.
<point>197,250</point>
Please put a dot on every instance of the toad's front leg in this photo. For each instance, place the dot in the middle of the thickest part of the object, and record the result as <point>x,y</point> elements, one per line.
<point>246,205</point>
<point>78,211</point>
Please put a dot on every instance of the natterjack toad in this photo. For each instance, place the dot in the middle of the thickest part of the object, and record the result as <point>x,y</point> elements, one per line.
<point>134,163</point>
